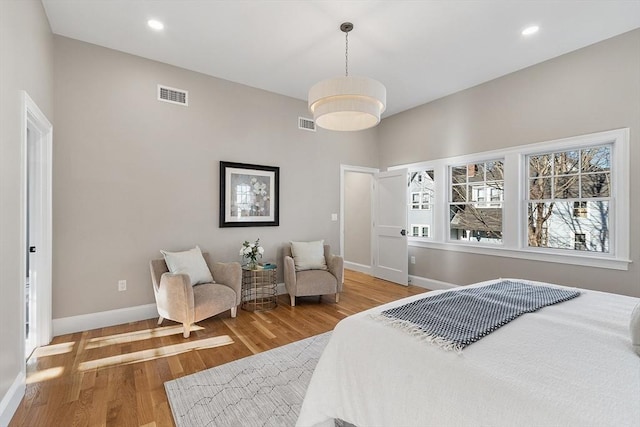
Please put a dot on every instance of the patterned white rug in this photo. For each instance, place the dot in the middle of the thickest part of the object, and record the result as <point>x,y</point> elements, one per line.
<point>266,389</point>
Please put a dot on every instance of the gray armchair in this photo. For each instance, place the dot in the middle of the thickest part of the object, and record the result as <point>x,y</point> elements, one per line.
<point>177,300</point>
<point>313,282</point>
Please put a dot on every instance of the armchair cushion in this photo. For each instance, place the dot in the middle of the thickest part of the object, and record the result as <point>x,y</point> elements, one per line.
<point>189,262</point>
<point>308,255</point>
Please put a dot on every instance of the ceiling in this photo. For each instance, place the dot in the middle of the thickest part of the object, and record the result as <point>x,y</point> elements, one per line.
<point>420,50</point>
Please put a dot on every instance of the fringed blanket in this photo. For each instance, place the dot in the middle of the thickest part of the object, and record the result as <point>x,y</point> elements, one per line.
<point>457,318</point>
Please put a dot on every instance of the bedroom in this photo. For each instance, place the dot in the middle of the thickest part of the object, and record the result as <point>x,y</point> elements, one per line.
<point>112,200</point>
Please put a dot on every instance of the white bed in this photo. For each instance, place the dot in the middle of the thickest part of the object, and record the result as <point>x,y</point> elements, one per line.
<point>567,364</point>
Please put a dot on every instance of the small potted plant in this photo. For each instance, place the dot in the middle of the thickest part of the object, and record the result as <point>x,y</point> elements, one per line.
<point>250,253</point>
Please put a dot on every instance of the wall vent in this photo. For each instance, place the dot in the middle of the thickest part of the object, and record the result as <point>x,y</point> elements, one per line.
<point>173,95</point>
<point>306,124</point>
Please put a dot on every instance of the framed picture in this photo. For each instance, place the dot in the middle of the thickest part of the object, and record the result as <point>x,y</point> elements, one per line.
<point>249,195</point>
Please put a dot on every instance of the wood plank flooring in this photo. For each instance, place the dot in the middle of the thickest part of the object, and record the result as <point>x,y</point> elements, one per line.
<point>114,376</point>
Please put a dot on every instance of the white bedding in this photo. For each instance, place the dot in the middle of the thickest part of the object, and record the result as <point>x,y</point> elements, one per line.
<point>567,364</point>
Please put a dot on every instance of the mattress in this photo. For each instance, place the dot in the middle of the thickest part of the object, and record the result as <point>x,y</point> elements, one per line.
<point>567,364</point>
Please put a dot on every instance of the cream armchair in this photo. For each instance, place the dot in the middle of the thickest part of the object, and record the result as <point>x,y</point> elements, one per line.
<point>313,282</point>
<point>177,300</point>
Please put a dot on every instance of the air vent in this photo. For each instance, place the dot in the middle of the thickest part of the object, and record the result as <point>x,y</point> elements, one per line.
<point>173,95</point>
<point>306,124</point>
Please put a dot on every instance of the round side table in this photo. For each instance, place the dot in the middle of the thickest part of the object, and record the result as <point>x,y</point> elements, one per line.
<point>259,289</point>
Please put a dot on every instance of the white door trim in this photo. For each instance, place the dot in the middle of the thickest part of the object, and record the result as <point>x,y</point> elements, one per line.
<point>33,119</point>
<point>344,169</point>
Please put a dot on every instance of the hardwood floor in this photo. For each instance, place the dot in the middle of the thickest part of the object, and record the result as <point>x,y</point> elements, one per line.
<point>114,376</point>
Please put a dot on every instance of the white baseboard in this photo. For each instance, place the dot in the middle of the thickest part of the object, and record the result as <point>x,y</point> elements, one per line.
<point>430,284</point>
<point>366,269</point>
<point>12,398</point>
<point>85,322</point>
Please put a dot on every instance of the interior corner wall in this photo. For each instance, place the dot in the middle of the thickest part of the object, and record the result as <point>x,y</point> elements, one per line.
<point>26,63</point>
<point>133,175</point>
<point>593,89</point>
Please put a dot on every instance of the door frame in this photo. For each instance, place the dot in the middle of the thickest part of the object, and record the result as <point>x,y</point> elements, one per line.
<point>360,169</point>
<point>33,118</point>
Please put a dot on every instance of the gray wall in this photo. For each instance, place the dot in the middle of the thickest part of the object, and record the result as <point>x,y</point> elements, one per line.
<point>133,175</point>
<point>26,63</point>
<point>593,89</point>
<point>357,217</point>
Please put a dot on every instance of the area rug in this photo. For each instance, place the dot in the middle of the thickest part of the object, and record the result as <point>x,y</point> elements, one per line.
<point>266,389</point>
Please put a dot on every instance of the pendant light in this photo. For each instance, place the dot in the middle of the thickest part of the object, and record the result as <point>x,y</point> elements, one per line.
<point>347,103</point>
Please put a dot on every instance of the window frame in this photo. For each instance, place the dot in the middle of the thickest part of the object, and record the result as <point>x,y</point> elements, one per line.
<point>469,188</point>
<point>514,238</point>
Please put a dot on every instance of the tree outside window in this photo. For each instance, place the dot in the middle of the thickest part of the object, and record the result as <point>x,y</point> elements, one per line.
<point>569,197</point>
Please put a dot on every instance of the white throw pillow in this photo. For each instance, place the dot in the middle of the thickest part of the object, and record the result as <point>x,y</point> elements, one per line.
<point>308,255</point>
<point>634,328</point>
<point>189,262</point>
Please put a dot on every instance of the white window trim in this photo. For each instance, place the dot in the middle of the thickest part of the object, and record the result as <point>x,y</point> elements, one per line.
<point>514,239</point>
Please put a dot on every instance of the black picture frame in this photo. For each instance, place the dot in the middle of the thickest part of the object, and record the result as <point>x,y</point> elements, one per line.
<point>256,195</point>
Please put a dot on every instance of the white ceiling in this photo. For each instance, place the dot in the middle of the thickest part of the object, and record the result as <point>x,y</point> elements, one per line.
<point>420,50</point>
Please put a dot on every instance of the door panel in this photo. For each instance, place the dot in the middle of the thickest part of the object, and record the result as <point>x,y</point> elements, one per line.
<point>391,252</point>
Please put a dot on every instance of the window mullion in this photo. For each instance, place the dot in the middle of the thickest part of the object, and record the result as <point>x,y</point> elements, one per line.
<point>512,208</point>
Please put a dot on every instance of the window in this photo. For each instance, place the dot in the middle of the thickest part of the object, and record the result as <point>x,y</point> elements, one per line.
<point>420,230</point>
<point>475,201</point>
<point>569,196</point>
<point>579,209</point>
<point>421,197</point>
<point>244,198</point>
<point>565,197</point>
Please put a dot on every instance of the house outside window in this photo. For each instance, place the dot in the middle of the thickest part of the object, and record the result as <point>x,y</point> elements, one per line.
<point>570,195</point>
<point>421,198</point>
<point>476,196</point>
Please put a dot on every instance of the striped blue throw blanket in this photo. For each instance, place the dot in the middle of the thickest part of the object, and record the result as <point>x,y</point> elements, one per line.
<point>457,318</point>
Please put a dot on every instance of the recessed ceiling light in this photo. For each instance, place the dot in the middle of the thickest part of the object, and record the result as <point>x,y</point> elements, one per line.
<point>155,24</point>
<point>530,30</point>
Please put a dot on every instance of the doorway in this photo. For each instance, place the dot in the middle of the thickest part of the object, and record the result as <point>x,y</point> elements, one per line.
<point>373,218</point>
<point>356,217</point>
<point>36,231</point>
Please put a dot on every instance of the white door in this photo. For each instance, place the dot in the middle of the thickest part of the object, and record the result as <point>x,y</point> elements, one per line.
<point>33,237</point>
<point>37,224</point>
<point>390,223</point>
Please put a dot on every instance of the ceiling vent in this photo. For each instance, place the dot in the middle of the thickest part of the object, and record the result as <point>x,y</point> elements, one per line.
<point>306,124</point>
<point>173,95</point>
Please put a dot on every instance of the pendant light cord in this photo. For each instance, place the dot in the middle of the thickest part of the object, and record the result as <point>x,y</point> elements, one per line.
<point>346,54</point>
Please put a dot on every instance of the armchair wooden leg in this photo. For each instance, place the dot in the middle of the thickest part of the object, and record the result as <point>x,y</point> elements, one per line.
<point>337,297</point>
<point>160,319</point>
<point>234,311</point>
<point>293,300</point>
<point>186,330</point>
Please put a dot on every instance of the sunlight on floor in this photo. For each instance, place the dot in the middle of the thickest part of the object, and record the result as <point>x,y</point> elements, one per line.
<point>54,349</point>
<point>155,353</point>
<point>44,375</point>
<point>137,336</point>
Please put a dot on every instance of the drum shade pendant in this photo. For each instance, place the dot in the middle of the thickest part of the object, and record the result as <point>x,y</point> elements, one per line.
<point>347,103</point>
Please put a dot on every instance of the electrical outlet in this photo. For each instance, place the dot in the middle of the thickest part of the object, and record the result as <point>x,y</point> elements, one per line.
<point>122,285</point>
<point>334,217</point>
<point>413,260</point>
